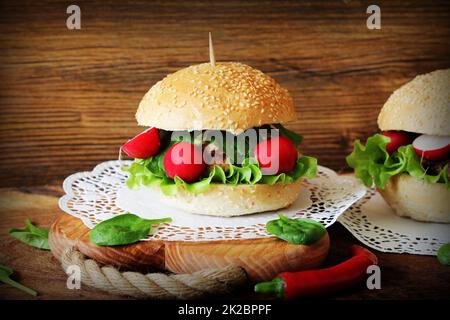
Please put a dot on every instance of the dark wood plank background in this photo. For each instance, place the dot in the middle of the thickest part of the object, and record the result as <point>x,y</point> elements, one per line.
<point>68,97</point>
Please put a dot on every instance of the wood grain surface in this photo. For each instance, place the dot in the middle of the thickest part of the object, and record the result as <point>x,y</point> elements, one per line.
<point>403,276</point>
<point>262,259</point>
<point>68,97</point>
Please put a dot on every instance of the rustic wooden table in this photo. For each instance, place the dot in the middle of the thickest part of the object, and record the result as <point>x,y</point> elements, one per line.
<point>68,97</point>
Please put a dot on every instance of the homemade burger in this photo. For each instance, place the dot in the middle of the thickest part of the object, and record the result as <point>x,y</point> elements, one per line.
<point>409,161</point>
<point>216,144</point>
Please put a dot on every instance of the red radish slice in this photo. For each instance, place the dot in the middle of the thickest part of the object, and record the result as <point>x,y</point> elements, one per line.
<point>282,158</point>
<point>144,145</point>
<point>433,148</point>
<point>398,139</point>
<point>184,160</point>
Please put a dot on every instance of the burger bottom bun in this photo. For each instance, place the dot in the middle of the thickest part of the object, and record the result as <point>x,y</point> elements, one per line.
<point>417,199</point>
<point>226,201</point>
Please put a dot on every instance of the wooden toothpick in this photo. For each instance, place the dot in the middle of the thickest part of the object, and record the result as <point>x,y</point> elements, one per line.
<point>212,58</point>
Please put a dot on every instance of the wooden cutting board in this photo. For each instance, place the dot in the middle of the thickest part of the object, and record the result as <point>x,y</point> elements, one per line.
<point>262,258</point>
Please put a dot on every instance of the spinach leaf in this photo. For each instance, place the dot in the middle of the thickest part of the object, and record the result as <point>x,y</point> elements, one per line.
<point>34,236</point>
<point>297,231</point>
<point>291,135</point>
<point>5,274</point>
<point>124,229</point>
<point>444,254</point>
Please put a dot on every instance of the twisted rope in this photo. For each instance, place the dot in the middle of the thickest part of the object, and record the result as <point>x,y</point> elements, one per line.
<point>155,285</point>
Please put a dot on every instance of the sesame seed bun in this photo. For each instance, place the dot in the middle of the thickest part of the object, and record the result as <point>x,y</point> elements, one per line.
<point>230,96</point>
<point>421,106</point>
<point>226,201</point>
<point>417,199</point>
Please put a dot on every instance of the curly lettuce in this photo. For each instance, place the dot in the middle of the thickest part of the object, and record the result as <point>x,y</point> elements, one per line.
<point>373,164</point>
<point>151,172</point>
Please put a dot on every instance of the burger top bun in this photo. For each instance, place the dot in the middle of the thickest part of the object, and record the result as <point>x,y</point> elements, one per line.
<point>229,96</point>
<point>421,106</point>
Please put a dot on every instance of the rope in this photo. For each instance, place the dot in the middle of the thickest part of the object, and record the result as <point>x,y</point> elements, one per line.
<point>155,285</point>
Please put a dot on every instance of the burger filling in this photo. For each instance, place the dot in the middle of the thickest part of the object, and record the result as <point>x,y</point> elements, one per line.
<point>194,160</point>
<point>390,153</point>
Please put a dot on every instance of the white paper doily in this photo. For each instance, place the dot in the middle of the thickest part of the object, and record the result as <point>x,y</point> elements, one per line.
<point>101,194</point>
<point>372,221</point>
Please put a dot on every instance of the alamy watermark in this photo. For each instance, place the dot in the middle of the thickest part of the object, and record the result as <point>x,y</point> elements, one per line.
<point>374,279</point>
<point>74,20</point>
<point>227,148</point>
<point>374,20</point>
<point>74,277</point>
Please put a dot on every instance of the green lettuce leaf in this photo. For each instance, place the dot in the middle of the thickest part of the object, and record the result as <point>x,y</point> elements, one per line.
<point>373,164</point>
<point>150,172</point>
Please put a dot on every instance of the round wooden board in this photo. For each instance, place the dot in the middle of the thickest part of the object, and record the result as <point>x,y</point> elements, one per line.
<point>262,258</point>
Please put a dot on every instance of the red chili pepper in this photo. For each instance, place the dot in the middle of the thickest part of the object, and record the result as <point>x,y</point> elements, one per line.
<point>289,285</point>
